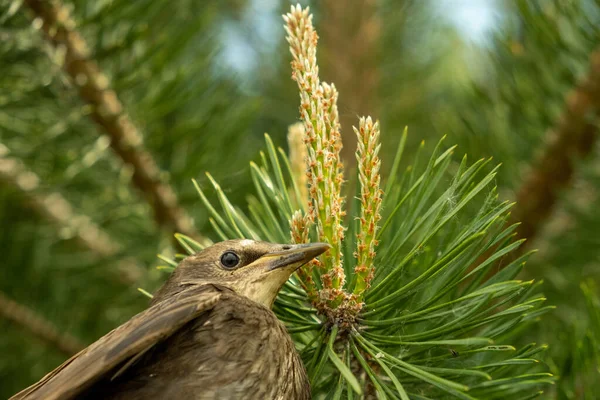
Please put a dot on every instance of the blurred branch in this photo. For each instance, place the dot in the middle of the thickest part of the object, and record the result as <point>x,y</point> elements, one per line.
<point>56,209</point>
<point>108,112</point>
<point>351,42</point>
<point>38,326</point>
<point>571,139</point>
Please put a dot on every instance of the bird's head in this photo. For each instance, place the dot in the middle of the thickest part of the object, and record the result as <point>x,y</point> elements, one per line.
<point>250,268</point>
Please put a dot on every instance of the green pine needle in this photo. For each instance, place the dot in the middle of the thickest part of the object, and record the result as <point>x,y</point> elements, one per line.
<point>430,312</point>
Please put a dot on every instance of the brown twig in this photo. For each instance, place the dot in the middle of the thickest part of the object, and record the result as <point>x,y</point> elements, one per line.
<point>108,112</point>
<point>571,139</point>
<point>38,326</point>
<point>350,42</point>
<point>56,209</point>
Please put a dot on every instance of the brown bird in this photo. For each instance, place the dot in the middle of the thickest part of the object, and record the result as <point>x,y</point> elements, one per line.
<point>209,333</point>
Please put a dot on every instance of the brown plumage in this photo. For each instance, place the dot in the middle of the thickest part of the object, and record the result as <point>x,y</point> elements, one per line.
<point>208,334</point>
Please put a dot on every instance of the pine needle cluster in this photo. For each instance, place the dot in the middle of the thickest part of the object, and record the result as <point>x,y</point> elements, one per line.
<point>403,306</point>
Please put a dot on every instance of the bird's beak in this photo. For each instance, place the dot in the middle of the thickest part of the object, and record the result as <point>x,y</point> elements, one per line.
<point>294,255</point>
<point>268,273</point>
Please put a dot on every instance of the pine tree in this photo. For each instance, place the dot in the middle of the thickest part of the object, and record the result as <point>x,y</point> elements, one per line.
<point>109,108</point>
<point>537,111</point>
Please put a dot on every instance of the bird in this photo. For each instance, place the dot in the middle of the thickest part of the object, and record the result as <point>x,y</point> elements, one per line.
<point>208,333</point>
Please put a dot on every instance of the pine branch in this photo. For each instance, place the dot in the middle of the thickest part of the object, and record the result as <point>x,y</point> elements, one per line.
<point>38,326</point>
<point>56,209</point>
<point>350,40</point>
<point>416,304</point>
<point>571,139</point>
<point>108,112</point>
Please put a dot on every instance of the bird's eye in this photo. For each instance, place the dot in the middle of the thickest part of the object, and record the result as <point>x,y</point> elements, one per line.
<point>229,259</point>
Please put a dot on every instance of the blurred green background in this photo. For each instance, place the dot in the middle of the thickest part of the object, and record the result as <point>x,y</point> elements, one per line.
<point>201,81</point>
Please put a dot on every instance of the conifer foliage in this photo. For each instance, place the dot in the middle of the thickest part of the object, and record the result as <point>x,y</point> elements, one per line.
<point>109,108</point>
<point>401,306</point>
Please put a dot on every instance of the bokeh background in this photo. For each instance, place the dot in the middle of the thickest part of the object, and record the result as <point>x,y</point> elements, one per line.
<point>201,82</point>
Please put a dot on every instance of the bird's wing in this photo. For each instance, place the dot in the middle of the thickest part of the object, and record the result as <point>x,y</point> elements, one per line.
<point>122,344</point>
